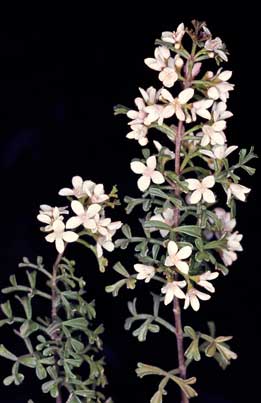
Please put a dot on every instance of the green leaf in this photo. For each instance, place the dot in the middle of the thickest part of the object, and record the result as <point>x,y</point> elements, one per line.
<point>115,288</point>
<point>154,191</point>
<point>7,309</point>
<point>77,323</point>
<point>157,225</point>
<point>48,386</point>
<point>118,267</point>
<point>77,345</point>
<point>31,278</point>
<point>184,385</point>
<point>28,327</point>
<point>251,171</point>
<point>6,353</point>
<point>141,332</point>
<point>126,231</point>
<point>12,280</point>
<point>120,109</point>
<point>192,230</point>
<point>40,371</point>
<point>145,369</point>
<point>28,361</point>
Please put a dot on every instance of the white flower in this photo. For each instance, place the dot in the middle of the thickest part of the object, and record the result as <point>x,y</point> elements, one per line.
<point>238,191</point>
<point>105,242</point>
<point>221,87</point>
<point>166,150</point>
<point>48,215</point>
<point>83,216</point>
<point>219,152</point>
<point>158,113</point>
<point>174,37</point>
<point>219,111</point>
<point>216,46</point>
<point>148,173</point>
<point>202,189</point>
<point>167,217</point>
<point>137,117</point>
<point>228,257</point>
<point>77,189</point>
<point>175,257</point>
<point>172,290</point>
<point>192,298</point>
<point>162,54</point>
<point>228,223</point>
<point>139,132</point>
<point>233,242</point>
<point>214,134</point>
<point>204,280</point>
<point>176,105</point>
<point>200,108</point>
<point>59,235</point>
<point>168,76</point>
<point>144,272</point>
<point>95,192</point>
<point>150,95</point>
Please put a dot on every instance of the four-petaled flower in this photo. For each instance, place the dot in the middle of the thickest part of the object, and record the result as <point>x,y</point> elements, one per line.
<point>148,172</point>
<point>176,105</point>
<point>175,257</point>
<point>145,272</point>
<point>202,189</point>
<point>216,46</point>
<point>214,134</point>
<point>192,298</point>
<point>200,108</point>
<point>219,152</point>
<point>83,216</point>
<point>238,191</point>
<point>173,289</point>
<point>77,189</point>
<point>174,37</point>
<point>105,242</point>
<point>59,235</point>
<point>220,88</point>
<point>167,217</point>
<point>204,280</point>
<point>164,64</point>
<point>48,215</point>
<point>95,191</point>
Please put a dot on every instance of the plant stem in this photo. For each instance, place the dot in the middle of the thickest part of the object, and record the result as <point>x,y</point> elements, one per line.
<point>176,304</point>
<point>55,335</point>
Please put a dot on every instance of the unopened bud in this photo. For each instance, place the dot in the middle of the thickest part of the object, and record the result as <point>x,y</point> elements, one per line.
<point>179,62</point>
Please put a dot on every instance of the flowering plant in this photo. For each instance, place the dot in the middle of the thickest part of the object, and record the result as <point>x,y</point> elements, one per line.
<point>188,236</point>
<point>57,324</point>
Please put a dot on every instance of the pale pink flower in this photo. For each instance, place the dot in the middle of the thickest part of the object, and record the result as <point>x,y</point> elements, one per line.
<point>105,242</point>
<point>228,257</point>
<point>167,217</point>
<point>233,242</point>
<point>200,108</point>
<point>238,191</point>
<point>216,46</point>
<point>145,272</point>
<point>213,134</point>
<point>172,290</point>
<point>160,61</point>
<point>59,235</point>
<point>95,192</point>
<point>83,216</point>
<point>148,173</point>
<point>174,37</point>
<point>219,152</point>
<point>228,223</point>
<point>219,111</point>
<point>221,87</point>
<point>201,189</point>
<point>204,280</point>
<point>48,215</point>
<point>77,189</point>
<point>192,298</point>
<point>176,105</point>
<point>175,257</point>
<point>139,132</point>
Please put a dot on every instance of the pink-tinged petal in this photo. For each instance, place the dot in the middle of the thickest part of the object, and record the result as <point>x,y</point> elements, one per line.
<point>58,226</point>
<point>77,207</point>
<point>166,95</point>
<point>194,302</point>
<point>73,222</point>
<point>59,244</point>
<point>153,64</point>
<point>92,210</point>
<point>213,93</point>
<point>139,103</point>
<point>44,218</point>
<point>183,267</point>
<point>70,236</point>
<point>225,75</point>
<point>164,52</point>
<point>193,184</point>
<point>50,237</point>
<point>99,189</point>
<point>187,302</point>
<point>219,126</point>
<point>180,114</point>
<point>209,181</point>
<point>195,197</point>
<point>185,95</point>
<point>151,162</point>
<point>204,114</point>
<point>209,196</point>
<point>203,296</point>
<point>172,248</point>
<point>77,182</point>
<point>90,224</point>
<point>137,167</point>
<point>66,192</point>
<point>179,293</point>
<point>168,262</point>
<point>143,183</point>
<point>168,111</point>
<point>184,252</point>
<point>157,177</point>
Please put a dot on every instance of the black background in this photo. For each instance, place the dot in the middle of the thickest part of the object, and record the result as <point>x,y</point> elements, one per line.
<point>61,72</point>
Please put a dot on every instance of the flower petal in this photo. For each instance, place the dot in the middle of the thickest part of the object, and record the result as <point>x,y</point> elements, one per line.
<point>209,196</point>
<point>151,162</point>
<point>185,95</point>
<point>184,252</point>
<point>73,222</point>
<point>194,302</point>
<point>183,267</point>
<point>66,192</point>
<point>70,236</point>
<point>59,244</point>
<point>193,184</point>
<point>77,182</point>
<point>92,210</point>
<point>172,248</point>
<point>208,181</point>
<point>157,177</point>
<point>137,167</point>
<point>77,207</point>
<point>143,183</point>
<point>195,197</point>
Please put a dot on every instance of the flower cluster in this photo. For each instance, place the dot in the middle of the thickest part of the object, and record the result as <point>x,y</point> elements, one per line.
<point>88,202</point>
<point>196,101</point>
